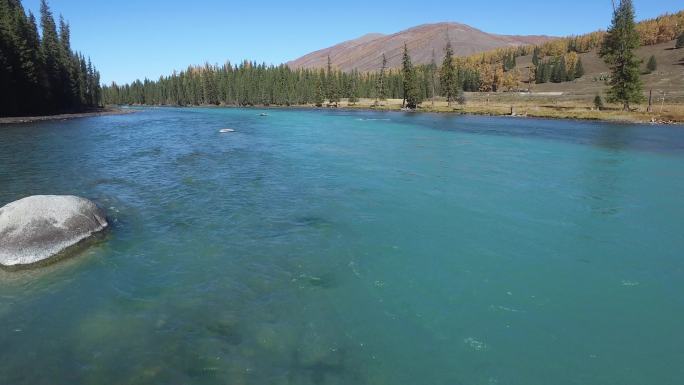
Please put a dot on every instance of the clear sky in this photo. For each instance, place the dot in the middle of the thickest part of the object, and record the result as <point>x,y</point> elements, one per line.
<point>129,39</point>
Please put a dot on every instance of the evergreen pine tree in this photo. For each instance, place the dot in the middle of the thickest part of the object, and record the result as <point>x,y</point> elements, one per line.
<point>539,72</point>
<point>652,64</point>
<point>548,72</point>
<point>618,52</point>
<point>7,57</point>
<point>37,75</point>
<point>333,95</point>
<point>447,75</point>
<point>598,102</point>
<point>411,96</point>
<point>319,94</point>
<point>51,53</point>
<point>558,72</point>
<point>354,88</point>
<point>431,74</point>
<point>579,69</point>
<point>535,56</point>
<point>381,86</point>
<point>680,41</point>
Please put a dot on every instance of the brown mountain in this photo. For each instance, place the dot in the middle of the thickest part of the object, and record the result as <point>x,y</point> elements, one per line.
<point>365,52</point>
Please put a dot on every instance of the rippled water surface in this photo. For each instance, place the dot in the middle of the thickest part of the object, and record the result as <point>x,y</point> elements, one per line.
<point>314,247</point>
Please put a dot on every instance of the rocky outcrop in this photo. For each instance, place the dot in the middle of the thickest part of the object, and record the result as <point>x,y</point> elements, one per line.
<point>39,227</point>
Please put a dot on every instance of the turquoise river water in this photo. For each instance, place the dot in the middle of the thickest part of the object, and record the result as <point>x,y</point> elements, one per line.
<point>334,247</point>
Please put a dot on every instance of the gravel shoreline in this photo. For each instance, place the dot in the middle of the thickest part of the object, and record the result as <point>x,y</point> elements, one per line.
<point>31,119</point>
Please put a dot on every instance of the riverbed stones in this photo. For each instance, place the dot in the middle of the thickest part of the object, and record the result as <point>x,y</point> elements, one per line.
<point>37,228</point>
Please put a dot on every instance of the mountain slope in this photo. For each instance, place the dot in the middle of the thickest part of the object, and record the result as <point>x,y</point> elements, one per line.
<point>365,53</point>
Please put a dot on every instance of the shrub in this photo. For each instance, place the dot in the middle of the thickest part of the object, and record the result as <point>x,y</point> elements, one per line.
<point>460,97</point>
<point>680,41</point>
<point>598,102</point>
<point>652,64</point>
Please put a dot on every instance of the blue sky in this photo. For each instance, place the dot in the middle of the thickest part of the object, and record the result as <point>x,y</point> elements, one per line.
<point>129,39</point>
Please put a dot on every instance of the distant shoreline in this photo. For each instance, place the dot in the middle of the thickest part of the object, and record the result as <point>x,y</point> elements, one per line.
<point>500,109</point>
<point>31,119</point>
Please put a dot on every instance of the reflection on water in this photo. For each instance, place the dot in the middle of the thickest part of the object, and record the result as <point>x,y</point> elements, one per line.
<point>351,248</point>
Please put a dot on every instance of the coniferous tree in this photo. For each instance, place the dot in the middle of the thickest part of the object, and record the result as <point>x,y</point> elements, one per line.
<point>579,69</point>
<point>381,86</point>
<point>652,64</point>
<point>618,52</point>
<point>354,88</point>
<point>411,95</point>
<point>333,95</point>
<point>535,56</point>
<point>548,71</point>
<point>447,75</point>
<point>39,75</point>
<point>598,102</point>
<point>51,52</point>
<point>319,94</point>
<point>558,72</point>
<point>431,74</point>
<point>680,41</point>
<point>509,62</point>
<point>539,73</point>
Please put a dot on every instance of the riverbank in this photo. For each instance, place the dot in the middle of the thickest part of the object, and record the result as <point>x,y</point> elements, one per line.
<point>89,114</point>
<point>516,105</point>
<point>510,105</point>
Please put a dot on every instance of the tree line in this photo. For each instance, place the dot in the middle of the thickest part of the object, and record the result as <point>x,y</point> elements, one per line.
<point>249,83</point>
<point>40,73</point>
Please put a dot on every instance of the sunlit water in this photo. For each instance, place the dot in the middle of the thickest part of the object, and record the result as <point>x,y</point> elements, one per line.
<point>313,247</point>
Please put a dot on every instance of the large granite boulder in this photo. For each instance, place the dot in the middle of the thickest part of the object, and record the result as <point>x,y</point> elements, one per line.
<point>39,227</point>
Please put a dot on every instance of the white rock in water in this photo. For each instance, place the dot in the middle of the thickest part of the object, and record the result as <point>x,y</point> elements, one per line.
<point>226,130</point>
<point>38,227</point>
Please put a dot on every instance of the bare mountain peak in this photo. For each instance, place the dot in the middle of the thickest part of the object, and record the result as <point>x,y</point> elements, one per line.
<point>365,53</point>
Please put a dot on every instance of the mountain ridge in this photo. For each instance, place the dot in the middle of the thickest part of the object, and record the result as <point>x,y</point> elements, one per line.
<point>365,53</point>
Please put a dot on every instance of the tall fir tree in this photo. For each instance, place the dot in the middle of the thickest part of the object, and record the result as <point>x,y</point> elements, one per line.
<point>447,75</point>
<point>353,96</point>
<point>618,47</point>
<point>411,95</point>
<point>319,93</point>
<point>432,74</point>
<point>333,93</point>
<point>50,48</point>
<point>381,86</point>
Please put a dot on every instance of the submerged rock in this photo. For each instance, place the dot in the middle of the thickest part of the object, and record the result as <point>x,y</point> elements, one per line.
<point>39,227</point>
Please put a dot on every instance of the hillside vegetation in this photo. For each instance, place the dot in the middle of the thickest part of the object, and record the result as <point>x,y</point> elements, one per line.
<point>510,76</point>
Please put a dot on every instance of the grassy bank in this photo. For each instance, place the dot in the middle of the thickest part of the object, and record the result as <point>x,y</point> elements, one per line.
<point>534,106</point>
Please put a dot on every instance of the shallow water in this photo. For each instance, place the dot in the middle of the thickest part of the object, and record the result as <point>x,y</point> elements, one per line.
<point>320,247</point>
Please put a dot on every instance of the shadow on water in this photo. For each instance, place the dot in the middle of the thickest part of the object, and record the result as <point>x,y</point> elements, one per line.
<point>614,137</point>
<point>96,240</point>
<point>603,170</point>
<point>646,137</point>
